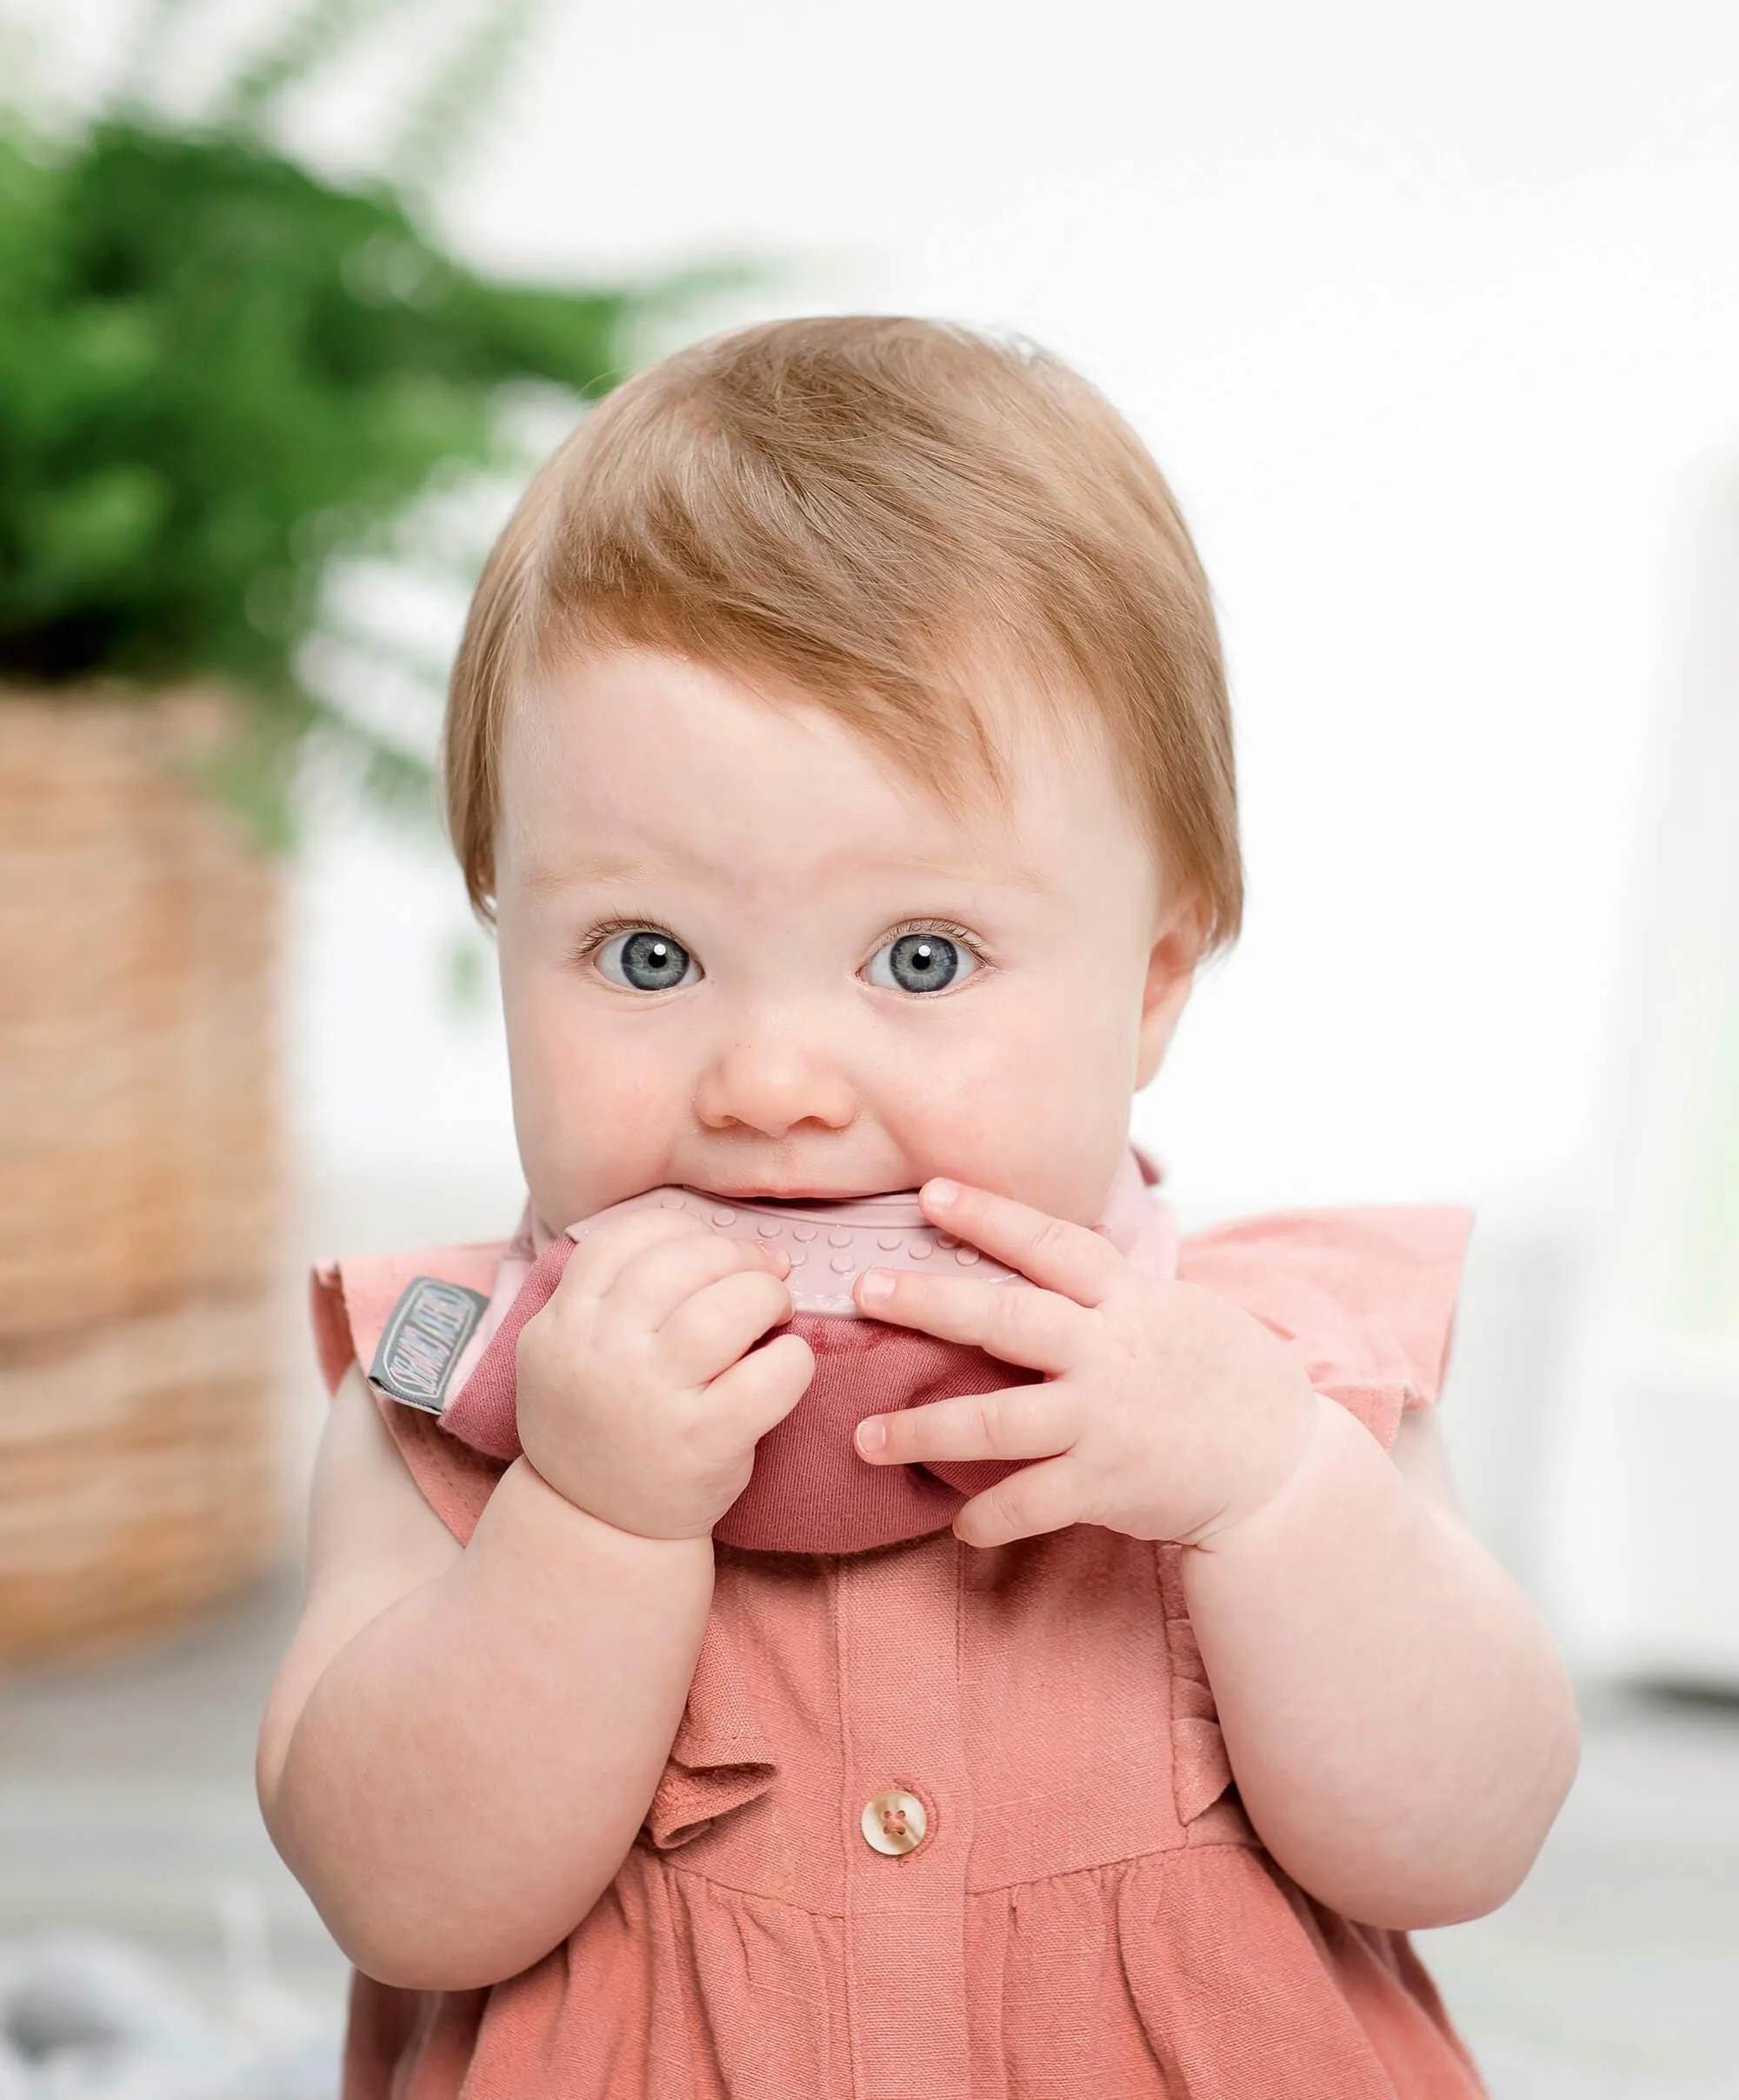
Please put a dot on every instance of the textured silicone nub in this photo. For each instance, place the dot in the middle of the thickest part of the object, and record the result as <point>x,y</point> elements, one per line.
<point>829,1245</point>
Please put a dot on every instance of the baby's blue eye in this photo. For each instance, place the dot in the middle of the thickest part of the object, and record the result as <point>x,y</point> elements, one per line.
<point>646,960</point>
<point>921,963</point>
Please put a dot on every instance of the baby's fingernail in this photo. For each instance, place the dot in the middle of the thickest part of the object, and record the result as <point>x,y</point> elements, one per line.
<point>941,1191</point>
<point>873,1286</point>
<point>872,1435</point>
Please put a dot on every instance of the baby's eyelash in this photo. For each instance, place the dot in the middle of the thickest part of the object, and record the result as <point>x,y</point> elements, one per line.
<point>607,930</point>
<point>969,941</point>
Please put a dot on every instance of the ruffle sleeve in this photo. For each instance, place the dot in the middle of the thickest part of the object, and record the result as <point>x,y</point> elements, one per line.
<point>1367,1296</point>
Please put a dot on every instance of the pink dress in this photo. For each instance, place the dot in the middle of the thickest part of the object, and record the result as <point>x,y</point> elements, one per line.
<point>949,1823</point>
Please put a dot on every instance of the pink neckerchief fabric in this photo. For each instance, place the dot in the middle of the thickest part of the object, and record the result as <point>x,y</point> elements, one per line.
<point>809,1492</point>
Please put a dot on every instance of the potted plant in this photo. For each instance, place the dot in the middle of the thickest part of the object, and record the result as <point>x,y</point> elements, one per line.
<point>220,373</point>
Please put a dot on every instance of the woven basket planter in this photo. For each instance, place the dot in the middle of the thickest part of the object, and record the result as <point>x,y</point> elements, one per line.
<point>139,1179</point>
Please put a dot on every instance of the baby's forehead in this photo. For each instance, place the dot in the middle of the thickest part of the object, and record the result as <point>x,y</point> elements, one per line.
<point>630,760</point>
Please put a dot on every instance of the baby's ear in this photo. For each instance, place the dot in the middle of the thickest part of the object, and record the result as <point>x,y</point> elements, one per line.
<point>1171,973</point>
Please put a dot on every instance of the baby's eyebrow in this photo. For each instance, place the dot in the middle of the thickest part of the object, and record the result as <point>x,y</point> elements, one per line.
<point>613,870</point>
<point>544,877</point>
<point>1014,875</point>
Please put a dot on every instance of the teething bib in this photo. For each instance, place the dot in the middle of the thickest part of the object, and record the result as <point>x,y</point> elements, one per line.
<point>810,1492</point>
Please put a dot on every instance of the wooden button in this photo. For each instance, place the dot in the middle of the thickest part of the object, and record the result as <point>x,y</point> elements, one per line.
<point>894,1821</point>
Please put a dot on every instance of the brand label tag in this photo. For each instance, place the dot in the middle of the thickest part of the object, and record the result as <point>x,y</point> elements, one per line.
<point>423,1339</point>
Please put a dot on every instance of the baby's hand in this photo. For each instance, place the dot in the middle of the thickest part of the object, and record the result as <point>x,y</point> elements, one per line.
<point>1168,1412</point>
<point>637,1402</point>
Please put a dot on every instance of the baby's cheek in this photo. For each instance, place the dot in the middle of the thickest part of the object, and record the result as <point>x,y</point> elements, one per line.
<point>1038,1117</point>
<point>592,1129</point>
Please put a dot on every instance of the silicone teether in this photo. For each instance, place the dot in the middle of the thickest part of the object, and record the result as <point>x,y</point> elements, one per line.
<point>829,1245</point>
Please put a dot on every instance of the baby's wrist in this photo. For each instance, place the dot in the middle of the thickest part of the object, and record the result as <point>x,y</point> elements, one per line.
<point>1303,1424</point>
<point>543,1507</point>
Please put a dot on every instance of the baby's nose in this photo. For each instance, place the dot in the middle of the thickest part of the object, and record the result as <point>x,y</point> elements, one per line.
<point>774,1084</point>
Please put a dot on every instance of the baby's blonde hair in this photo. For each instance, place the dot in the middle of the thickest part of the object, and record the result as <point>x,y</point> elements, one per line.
<point>878,512</point>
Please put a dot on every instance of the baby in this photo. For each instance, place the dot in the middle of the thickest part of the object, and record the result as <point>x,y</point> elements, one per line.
<point>839,743</point>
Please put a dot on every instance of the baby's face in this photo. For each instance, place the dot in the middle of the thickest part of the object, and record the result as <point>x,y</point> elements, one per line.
<point>739,951</point>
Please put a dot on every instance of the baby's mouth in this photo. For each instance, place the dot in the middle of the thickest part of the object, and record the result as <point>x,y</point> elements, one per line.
<point>795,1197</point>
<point>887,1210</point>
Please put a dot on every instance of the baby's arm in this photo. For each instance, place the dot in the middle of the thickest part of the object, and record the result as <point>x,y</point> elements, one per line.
<point>461,1744</point>
<point>1402,1730</point>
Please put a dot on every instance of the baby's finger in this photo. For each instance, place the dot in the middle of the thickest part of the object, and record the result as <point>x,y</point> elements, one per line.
<point>712,1328</point>
<point>1081,1264</point>
<point>601,1257</point>
<point>760,1390</point>
<point>1039,1499</point>
<point>1036,1327</point>
<point>656,1280</point>
<point>1018,1422</point>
